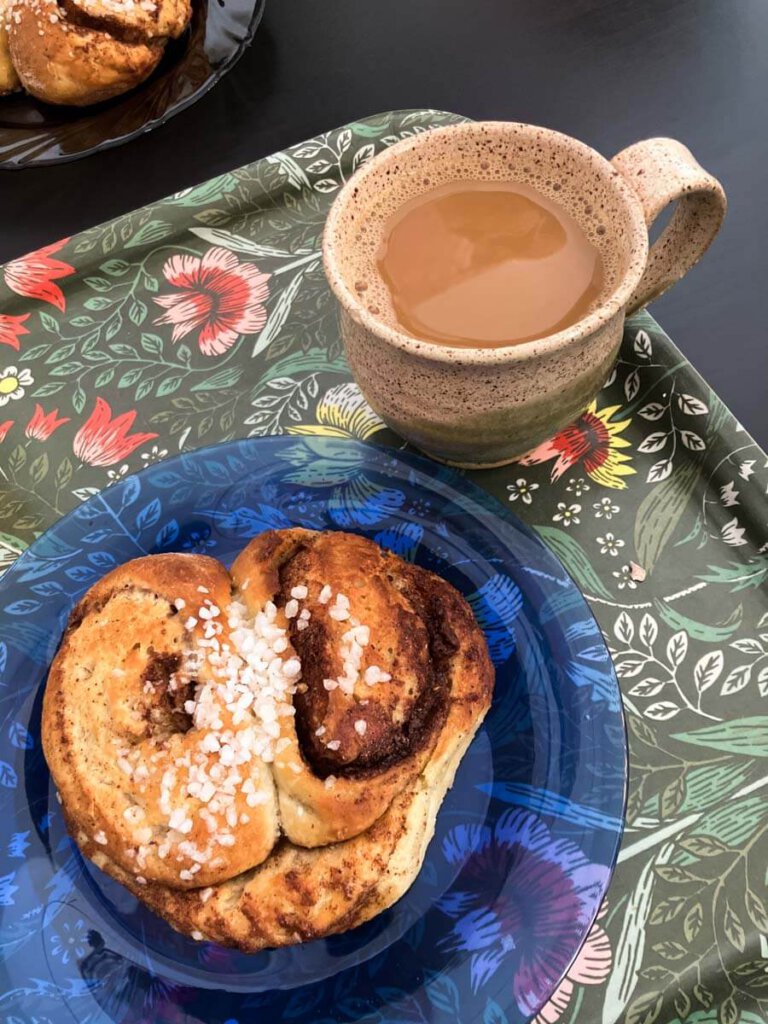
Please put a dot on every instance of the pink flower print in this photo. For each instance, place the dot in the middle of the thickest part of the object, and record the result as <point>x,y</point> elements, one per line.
<point>219,295</point>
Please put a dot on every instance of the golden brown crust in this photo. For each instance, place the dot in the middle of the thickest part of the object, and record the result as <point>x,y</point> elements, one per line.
<point>356,817</point>
<point>298,894</point>
<point>9,80</point>
<point>107,704</point>
<point>411,614</point>
<point>75,54</point>
<point>131,19</point>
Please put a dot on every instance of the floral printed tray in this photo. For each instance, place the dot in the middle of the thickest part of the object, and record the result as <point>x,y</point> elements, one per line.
<point>206,317</point>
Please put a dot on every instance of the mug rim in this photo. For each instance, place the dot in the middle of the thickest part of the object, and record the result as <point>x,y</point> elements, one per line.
<point>615,302</point>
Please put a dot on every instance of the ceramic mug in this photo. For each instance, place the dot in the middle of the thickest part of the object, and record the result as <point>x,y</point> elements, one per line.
<point>479,407</point>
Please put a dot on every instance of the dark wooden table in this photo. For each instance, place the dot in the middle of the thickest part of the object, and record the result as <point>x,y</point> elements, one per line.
<point>607,71</point>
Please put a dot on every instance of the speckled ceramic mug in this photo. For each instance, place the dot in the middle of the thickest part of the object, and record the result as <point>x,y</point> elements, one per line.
<point>479,407</point>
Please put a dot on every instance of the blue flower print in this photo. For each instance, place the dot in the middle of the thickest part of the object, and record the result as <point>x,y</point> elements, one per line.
<point>198,541</point>
<point>70,942</point>
<point>551,896</point>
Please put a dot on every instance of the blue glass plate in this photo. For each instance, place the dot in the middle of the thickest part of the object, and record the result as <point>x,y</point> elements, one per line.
<point>525,841</point>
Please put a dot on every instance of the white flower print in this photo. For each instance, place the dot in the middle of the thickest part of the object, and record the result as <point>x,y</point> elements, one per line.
<point>13,383</point>
<point>733,534</point>
<point>605,509</point>
<point>746,469</point>
<point>578,487</point>
<point>624,577</point>
<point>609,545</point>
<point>729,496</point>
<point>115,474</point>
<point>566,514</point>
<point>523,490</point>
<point>153,455</point>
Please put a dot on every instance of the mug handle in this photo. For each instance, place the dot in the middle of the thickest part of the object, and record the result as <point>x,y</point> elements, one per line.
<point>662,171</point>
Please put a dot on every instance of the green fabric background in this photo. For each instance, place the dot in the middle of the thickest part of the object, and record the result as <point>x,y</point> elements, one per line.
<point>684,936</point>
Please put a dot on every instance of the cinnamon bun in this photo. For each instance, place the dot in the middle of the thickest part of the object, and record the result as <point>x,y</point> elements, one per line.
<point>80,52</point>
<point>260,755</point>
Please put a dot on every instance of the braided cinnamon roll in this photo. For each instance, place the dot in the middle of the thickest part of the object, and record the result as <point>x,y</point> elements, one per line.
<point>260,756</point>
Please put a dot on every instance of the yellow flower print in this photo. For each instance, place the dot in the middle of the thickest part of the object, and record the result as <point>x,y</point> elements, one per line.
<point>343,412</point>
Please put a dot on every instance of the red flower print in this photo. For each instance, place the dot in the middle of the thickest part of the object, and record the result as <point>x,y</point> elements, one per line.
<point>221,295</point>
<point>592,441</point>
<point>33,275</point>
<point>42,425</point>
<point>4,428</point>
<point>11,329</point>
<point>102,441</point>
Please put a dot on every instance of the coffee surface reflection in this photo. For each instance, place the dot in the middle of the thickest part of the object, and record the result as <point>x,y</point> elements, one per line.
<point>487,264</point>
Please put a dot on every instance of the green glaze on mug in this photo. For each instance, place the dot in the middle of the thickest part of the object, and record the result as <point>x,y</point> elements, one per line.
<point>480,407</point>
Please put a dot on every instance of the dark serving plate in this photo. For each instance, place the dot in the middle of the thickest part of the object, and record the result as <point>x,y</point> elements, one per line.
<point>33,133</point>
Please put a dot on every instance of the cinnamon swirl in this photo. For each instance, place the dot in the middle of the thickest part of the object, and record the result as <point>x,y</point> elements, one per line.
<point>260,756</point>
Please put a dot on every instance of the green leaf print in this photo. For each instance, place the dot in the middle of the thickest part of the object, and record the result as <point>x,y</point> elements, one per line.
<point>221,379</point>
<point>278,314</point>
<point>694,919</point>
<point>734,929</point>
<point>365,131</point>
<point>713,1016</point>
<point>729,1012</point>
<point>49,322</point>
<point>209,192</point>
<point>153,231</point>
<point>168,385</point>
<point>17,458</point>
<point>703,846</point>
<point>645,1009</point>
<point>38,469</point>
<point>574,558</point>
<point>247,246</point>
<point>738,576</point>
<point>757,911</point>
<point>672,797</point>
<point>716,633</point>
<point>660,512</point>
<point>670,950</point>
<point>753,975</point>
<point>736,822</point>
<point>667,910</point>
<point>115,268</point>
<point>748,736</point>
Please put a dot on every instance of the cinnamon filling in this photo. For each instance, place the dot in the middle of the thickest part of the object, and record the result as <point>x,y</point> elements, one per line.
<point>75,15</point>
<point>356,735</point>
